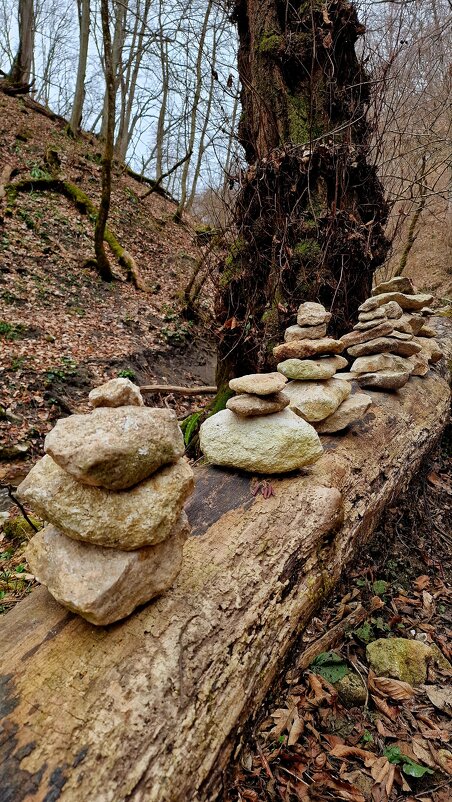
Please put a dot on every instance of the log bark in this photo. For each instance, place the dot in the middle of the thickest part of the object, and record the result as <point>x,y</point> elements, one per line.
<point>151,709</point>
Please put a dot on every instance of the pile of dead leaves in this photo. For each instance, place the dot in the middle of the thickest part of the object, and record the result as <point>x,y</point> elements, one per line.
<point>393,744</point>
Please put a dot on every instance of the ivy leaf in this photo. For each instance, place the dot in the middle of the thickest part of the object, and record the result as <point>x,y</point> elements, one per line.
<point>413,769</point>
<point>380,587</point>
<point>330,666</point>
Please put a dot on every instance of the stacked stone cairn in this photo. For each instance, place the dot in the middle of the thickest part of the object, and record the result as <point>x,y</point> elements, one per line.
<point>257,432</point>
<point>112,488</point>
<point>311,360</point>
<point>392,339</point>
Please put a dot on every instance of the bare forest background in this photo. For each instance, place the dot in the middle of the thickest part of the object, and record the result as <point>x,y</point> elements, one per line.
<point>177,99</point>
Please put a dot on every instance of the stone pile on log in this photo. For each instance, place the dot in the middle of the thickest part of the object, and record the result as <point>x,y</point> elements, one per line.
<point>315,393</point>
<point>256,432</point>
<point>112,488</point>
<point>390,342</point>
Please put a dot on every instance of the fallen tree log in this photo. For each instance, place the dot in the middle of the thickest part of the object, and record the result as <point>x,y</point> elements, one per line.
<point>151,709</point>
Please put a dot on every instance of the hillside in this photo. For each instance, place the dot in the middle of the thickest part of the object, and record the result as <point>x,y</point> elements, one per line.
<point>62,329</point>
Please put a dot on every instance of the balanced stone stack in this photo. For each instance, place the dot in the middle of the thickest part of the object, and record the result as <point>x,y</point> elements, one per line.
<point>257,432</point>
<point>311,360</point>
<point>112,488</point>
<point>384,344</point>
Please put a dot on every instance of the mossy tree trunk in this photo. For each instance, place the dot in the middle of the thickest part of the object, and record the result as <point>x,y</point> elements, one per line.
<point>103,265</point>
<point>310,210</point>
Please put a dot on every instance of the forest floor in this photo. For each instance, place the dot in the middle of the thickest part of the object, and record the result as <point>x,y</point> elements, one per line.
<point>377,740</point>
<point>62,329</point>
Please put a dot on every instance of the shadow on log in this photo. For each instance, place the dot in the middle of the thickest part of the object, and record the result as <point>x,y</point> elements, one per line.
<point>151,708</point>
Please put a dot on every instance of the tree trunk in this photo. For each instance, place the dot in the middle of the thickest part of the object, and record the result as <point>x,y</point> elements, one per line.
<point>150,709</point>
<point>103,265</point>
<point>310,210</point>
<point>20,72</point>
<point>84,14</point>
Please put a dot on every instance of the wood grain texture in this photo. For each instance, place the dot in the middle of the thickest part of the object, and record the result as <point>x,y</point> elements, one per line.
<point>150,709</point>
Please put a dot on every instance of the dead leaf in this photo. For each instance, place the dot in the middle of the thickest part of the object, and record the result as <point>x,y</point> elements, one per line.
<point>296,729</point>
<point>422,751</point>
<point>341,789</point>
<point>422,582</point>
<point>393,688</point>
<point>440,697</point>
<point>390,712</point>
<point>349,752</point>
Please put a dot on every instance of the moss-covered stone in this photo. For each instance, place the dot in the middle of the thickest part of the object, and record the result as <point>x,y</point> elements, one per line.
<point>351,691</point>
<point>404,659</point>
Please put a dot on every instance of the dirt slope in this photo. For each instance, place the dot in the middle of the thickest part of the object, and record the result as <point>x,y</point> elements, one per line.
<point>62,330</point>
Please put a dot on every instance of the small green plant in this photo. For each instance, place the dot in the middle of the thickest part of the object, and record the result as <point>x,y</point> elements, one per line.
<point>17,362</point>
<point>63,372</point>
<point>37,172</point>
<point>11,331</point>
<point>409,767</point>
<point>330,666</point>
<point>127,374</point>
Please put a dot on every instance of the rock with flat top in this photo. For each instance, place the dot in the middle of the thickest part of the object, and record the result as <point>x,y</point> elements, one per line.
<point>305,332</point>
<point>384,380</point>
<point>300,349</point>
<point>116,393</point>
<point>312,314</point>
<point>116,448</point>
<point>352,409</point>
<point>373,314</point>
<point>430,348</point>
<point>100,584</point>
<point>384,345</point>
<point>357,337</point>
<point>141,516</point>
<point>377,362</point>
<point>407,302</point>
<point>308,369</point>
<point>368,305</point>
<point>273,444</point>
<point>367,325</point>
<point>315,401</point>
<point>400,335</point>
<point>392,310</point>
<point>247,404</point>
<point>396,284</point>
<point>258,383</point>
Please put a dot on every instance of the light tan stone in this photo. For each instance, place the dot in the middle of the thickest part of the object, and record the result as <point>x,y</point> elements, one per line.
<point>420,364</point>
<point>273,444</point>
<point>396,284</point>
<point>357,337</point>
<point>300,349</point>
<point>400,335</point>
<point>248,405</point>
<point>116,448</point>
<point>409,324</point>
<point>116,393</point>
<point>376,362</point>
<point>315,401</point>
<point>374,314</point>
<point>430,348</point>
<point>352,409</point>
<point>370,324</point>
<point>100,584</point>
<point>141,516</point>
<point>427,331</point>
<point>368,305</point>
<point>384,345</point>
<point>304,332</point>
<point>384,380</point>
<point>407,302</point>
<point>258,383</point>
<point>307,369</point>
<point>312,314</point>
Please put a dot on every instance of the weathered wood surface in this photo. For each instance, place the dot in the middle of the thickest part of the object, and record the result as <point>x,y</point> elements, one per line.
<point>149,709</point>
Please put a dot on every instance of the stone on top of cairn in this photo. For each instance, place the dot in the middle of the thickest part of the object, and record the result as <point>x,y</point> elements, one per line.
<point>112,487</point>
<point>116,393</point>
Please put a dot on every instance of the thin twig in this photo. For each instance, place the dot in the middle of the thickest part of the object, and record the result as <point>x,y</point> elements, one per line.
<point>16,501</point>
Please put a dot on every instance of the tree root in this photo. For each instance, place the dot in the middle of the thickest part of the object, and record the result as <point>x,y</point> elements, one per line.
<point>85,205</point>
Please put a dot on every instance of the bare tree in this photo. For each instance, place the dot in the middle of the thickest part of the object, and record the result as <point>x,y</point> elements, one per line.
<point>103,264</point>
<point>20,72</point>
<point>84,19</point>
